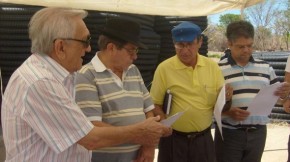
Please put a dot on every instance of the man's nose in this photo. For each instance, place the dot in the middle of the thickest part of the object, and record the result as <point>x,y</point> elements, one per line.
<point>89,48</point>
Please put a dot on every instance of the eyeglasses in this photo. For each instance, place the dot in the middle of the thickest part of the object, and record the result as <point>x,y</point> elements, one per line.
<point>131,51</point>
<point>180,46</point>
<point>86,43</point>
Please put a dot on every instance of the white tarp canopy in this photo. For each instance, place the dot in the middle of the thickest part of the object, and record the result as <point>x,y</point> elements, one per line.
<point>147,7</point>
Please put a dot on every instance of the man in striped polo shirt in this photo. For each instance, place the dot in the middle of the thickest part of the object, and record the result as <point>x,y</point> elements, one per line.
<point>41,121</point>
<point>244,135</point>
<point>111,92</point>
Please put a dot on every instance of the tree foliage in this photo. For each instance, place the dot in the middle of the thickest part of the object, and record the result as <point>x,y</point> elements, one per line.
<point>216,33</point>
<point>226,19</point>
<point>271,20</point>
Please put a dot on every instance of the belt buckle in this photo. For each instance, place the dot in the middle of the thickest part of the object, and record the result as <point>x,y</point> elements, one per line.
<point>249,129</point>
<point>191,136</point>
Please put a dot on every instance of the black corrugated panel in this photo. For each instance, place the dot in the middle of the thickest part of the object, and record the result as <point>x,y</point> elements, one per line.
<point>278,61</point>
<point>163,26</point>
<point>155,33</point>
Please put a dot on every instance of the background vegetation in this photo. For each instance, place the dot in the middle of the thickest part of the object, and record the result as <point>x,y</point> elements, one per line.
<point>272,26</point>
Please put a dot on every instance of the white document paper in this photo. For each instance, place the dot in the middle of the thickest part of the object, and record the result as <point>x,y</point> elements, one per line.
<point>218,108</point>
<point>170,120</point>
<point>264,101</point>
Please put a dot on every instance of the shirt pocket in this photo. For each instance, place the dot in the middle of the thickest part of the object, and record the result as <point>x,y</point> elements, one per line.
<point>211,94</point>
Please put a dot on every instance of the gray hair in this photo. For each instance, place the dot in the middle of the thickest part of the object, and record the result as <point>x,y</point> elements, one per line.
<point>48,24</point>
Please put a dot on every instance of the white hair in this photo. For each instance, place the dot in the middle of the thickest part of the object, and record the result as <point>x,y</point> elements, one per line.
<point>48,24</point>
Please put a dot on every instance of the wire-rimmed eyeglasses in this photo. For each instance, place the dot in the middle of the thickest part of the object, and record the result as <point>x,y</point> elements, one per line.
<point>86,43</point>
<point>180,46</point>
<point>131,51</point>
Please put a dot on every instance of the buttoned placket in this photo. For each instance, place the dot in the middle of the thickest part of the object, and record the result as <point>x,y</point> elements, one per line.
<point>70,83</point>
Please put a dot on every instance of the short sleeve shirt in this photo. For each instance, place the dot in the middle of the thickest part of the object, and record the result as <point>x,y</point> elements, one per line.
<point>40,119</point>
<point>194,91</point>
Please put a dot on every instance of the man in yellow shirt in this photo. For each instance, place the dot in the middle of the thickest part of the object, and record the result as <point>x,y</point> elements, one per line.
<point>194,81</point>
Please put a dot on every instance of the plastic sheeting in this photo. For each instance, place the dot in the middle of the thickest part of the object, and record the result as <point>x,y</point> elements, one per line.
<point>147,7</point>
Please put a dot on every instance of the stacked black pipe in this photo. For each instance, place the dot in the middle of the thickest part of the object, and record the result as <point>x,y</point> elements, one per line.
<point>278,61</point>
<point>15,45</point>
<point>155,33</point>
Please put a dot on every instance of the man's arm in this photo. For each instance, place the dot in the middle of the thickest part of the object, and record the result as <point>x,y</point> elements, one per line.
<point>237,113</point>
<point>158,111</point>
<point>149,114</point>
<point>227,106</point>
<point>229,95</point>
<point>286,106</point>
<point>101,124</point>
<point>286,103</point>
<point>287,77</point>
<point>233,112</point>
<point>146,133</point>
<point>283,92</point>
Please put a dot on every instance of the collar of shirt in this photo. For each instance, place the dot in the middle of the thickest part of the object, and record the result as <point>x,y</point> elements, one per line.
<point>233,62</point>
<point>100,67</point>
<point>58,71</point>
<point>98,64</point>
<point>179,65</point>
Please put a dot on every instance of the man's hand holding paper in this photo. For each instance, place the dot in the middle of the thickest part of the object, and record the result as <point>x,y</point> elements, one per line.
<point>265,100</point>
<point>170,120</point>
<point>283,91</point>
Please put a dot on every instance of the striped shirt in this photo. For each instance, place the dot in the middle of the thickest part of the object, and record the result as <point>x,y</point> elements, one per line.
<point>40,119</point>
<point>103,96</point>
<point>246,82</point>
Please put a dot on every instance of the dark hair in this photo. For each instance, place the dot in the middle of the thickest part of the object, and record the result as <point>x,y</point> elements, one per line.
<point>239,29</point>
<point>104,40</point>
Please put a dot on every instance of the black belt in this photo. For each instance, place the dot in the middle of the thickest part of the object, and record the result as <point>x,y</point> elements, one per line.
<point>244,127</point>
<point>250,128</point>
<point>191,135</point>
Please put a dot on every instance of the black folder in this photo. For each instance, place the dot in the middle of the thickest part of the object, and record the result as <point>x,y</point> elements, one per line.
<point>167,102</point>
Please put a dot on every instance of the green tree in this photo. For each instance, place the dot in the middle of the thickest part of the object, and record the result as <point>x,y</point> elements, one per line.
<point>216,33</point>
<point>226,19</point>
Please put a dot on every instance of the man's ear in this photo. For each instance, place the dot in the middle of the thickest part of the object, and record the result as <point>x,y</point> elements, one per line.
<point>111,47</point>
<point>59,49</point>
<point>200,41</point>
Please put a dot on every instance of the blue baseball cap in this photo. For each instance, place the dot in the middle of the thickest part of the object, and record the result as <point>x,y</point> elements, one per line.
<point>185,32</point>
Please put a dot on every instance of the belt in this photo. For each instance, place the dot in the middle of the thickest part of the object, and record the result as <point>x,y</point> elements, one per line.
<point>243,127</point>
<point>250,128</point>
<point>191,135</point>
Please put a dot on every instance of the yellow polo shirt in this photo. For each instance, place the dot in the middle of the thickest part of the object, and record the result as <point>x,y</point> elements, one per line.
<point>194,90</point>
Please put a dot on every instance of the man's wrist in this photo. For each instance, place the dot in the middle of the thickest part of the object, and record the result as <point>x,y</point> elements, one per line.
<point>227,106</point>
<point>283,99</point>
